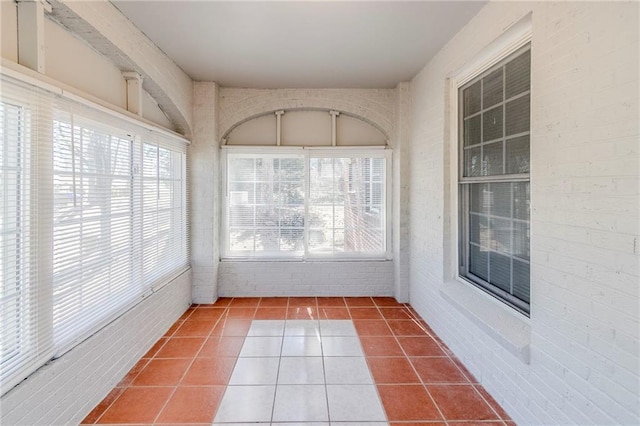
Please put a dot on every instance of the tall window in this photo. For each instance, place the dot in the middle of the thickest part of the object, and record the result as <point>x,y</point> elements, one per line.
<point>93,218</point>
<point>494,183</point>
<point>306,203</point>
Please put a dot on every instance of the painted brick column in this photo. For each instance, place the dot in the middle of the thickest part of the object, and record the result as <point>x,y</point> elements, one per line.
<point>204,163</point>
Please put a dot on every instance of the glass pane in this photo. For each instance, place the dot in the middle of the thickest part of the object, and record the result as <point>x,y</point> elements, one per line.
<point>240,169</point>
<point>521,200</point>
<point>517,155</point>
<point>241,193</point>
<point>500,235</point>
<point>478,230</point>
<point>521,280</point>
<point>521,240</point>
<point>517,116</point>
<point>492,89</point>
<point>479,198</point>
<point>492,124</point>
<point>501,199</point>
<point>472,130</point>
<point>518,74</point>
<point>471,99</point>
<point>267,240</point>
<point>267,216</point>
<point>492,159</point>
<point>289,193</point>
<point>241,240</point>
<point>478,262</point>
<point>291,217</point>
<point>291,239</point>
<point>500,271</point>
<point>472,162</point>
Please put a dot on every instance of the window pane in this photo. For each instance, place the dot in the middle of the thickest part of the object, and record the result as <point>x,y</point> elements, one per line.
<point>472,130</point>
<point>517,74</point>
<point>480,201</point>
<point>521,240</point>
<point>492,124</point>
<point>478,230</point>
<point>479,262</point>
<point>471,102</point>
<point>517,116</point>
<point>492,89</point>
<point>500,271</point>
<point>472,161</point>
<point>521,280</point>
<point>500,234</point>
<point>500,199</point>
<point>521,200</point>
<point>517,155</point>
<point>492,159</point>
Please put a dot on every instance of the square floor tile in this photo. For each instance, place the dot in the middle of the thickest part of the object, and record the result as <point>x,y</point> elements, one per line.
<point>301,346</point>
<point>354,403</point>
<point>137,405</point>
<point>341,346</point>
<point>392,370</point>
<point>365,313</point>
<point>337,328</point>
<point>381,346</point>
<point>420,346</point>
<point>300,403</point>
<point>461,402</point>
<point>209,371</point>
<point>408,403</point>
<point>181,347</point>
<point>302,370</point>
<point>162,372</point>
<point>246,404</point>
<point>438,370</point>
<point>261,346</point>
<point>266,328</point>
<point>331,313</point>
<point>255,371</point>
<point>372,327</point>
<point>192,404</point>
<point>347,371</point>
<point>221,346</point>
<point>302,328</point>
<point>273,313</point>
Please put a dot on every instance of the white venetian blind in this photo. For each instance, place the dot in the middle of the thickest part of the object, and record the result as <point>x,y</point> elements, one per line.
<point>25,128</point>
<point>164,208</point>
<point>93,247</point>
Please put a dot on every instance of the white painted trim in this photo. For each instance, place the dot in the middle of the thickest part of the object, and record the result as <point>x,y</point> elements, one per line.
<point>511,40</point>
<point>47,83</point>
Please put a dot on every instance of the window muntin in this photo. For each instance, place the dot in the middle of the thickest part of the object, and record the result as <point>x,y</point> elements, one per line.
<point>305,203</point>
<point>494,183</point>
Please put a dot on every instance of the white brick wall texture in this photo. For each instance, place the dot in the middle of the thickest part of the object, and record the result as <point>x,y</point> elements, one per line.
<point>362,278</point>
<point>584,365</point>
<point>65,390</point>
<point>375,106</point>
<point>204,166</point>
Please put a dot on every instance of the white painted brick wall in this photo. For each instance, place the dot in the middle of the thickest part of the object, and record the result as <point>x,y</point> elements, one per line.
<point>373,105</point>
<point>65,390</point>
<point>204,169</point>
<point>584,366</point>
<point>362,278</point>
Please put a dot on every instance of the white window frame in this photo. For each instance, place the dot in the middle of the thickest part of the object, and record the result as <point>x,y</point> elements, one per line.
<point>512,40</point>
<point>307,153</point>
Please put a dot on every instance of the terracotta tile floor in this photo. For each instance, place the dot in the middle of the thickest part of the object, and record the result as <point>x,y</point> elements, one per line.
<point>292,361</point>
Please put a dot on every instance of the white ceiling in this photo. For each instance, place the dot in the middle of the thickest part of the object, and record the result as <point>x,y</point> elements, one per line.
<point>358,44</point>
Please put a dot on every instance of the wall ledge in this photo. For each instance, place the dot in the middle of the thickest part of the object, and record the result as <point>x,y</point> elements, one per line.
<point>504,325</point>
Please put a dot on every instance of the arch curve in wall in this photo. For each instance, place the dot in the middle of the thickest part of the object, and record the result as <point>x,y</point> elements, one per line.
<point>372,106</point>
<point>234,126</point>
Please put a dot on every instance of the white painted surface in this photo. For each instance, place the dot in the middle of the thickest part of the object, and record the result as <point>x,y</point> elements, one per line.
<point>64,391</point>
<point>203,156</point>
<point>300,44</point>
<point>9,30</point>
<point>584,365</point>
<point>297,278</point>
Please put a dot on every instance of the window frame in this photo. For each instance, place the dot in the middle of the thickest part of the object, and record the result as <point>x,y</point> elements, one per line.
<point>514,41</point>
<point>307,153</point>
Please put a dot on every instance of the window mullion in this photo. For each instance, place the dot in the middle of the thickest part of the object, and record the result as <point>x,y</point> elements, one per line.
<point>307,197</point>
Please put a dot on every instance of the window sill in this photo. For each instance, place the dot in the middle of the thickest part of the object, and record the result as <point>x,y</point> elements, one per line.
<point>502,323</point>
<point>304,260</point>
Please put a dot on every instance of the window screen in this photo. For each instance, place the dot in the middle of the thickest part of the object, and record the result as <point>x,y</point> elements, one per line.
<point>494,184</point>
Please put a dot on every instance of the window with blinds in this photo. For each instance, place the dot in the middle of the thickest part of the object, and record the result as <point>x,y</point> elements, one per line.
<point>305,203</point>
<point>94,217</point>
<point>494,186</point>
